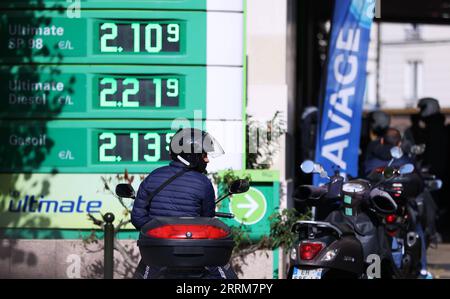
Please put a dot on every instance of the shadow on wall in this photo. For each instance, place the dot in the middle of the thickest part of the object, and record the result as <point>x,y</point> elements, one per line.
<point>24,112</point>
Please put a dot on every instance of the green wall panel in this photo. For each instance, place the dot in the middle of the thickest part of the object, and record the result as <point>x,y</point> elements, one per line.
<point>107,4</point>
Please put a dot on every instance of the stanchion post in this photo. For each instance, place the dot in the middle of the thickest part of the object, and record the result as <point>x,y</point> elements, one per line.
<point>109,246</point>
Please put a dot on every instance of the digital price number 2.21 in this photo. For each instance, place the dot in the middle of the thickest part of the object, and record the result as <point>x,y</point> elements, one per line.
<point>130,92</point>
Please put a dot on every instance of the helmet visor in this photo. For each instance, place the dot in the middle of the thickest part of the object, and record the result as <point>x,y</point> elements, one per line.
<point>212,147</point>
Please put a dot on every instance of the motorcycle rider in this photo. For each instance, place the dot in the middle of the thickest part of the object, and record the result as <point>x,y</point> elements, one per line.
<point>380,156</point>
<point>379,153</point>
<point>374,127</point>
<point>189,194</point>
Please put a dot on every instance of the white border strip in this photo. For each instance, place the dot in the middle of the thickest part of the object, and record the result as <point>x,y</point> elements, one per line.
<point>225,39</point>
<point>224,93</point>
<point>225,5</point>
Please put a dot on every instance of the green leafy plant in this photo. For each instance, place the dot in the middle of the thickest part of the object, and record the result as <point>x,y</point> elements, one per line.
<point>263,140</point>
<point>281,224</point>
<point>280,235</point>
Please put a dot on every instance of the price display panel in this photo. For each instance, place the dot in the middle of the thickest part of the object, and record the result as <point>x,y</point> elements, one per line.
<point>107,4</point>
<point>131,92</point>
<point>85,147</point>
<point>113,37</point>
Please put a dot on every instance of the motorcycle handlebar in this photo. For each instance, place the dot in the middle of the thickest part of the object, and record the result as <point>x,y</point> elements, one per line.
<point>224,215</point>
<point>306,192</point>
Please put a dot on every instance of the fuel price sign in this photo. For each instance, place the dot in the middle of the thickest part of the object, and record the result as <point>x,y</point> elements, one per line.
<point>114,37</point>
<point>156,92</point>
<point>135,92</point>
<point>85,147</point>
<point>102,4</point>
<point>136,146</point>
<point>140,37</point>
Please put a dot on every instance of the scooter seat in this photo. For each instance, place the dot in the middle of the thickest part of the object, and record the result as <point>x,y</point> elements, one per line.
<point>337,219</point>
<point>345,228</point>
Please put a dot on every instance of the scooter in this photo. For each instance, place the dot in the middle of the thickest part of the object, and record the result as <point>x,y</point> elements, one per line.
<point>186,247</point>
<point>410,193</point>
<point>343,244</point>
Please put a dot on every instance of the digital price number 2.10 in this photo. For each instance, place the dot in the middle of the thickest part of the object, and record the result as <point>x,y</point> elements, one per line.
<point>154,37</point>
<point>131,92</point>
<point>149,147</point>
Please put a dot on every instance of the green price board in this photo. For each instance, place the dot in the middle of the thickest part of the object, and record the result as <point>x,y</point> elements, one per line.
<point>85,146</point>
<point>102,92</point>
<point>113,37</point>
<point>107,4</point>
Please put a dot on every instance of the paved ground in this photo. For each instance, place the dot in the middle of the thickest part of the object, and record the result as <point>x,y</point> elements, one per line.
<point>439,261</point>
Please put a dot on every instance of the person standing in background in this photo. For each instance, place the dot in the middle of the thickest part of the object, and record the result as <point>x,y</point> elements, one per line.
<point>429,128</point>
<point>375,125</point>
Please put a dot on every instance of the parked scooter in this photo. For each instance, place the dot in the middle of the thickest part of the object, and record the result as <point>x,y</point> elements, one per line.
<point>184,247</point>
<point>339,246</point>
<point>411,193</point>
<point>426,205</point>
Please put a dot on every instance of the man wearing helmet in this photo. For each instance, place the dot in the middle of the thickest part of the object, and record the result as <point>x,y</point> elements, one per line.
<point>374,127</point>
<point>428,128</point>
<point>187,192</point>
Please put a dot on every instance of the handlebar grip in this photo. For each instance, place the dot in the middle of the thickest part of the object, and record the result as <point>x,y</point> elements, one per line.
<point>306,192</point>
<point>224,215</point>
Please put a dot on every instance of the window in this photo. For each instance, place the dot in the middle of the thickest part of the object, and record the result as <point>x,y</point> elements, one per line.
<point>370,97</point>
<point>413,32</point>
<point>413,82</point>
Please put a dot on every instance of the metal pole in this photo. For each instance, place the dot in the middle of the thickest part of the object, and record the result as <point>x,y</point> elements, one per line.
<point>109,246</point>
<point>378,66</point>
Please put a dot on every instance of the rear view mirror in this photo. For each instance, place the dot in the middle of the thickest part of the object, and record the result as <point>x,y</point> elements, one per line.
<point>239,186</point>
<point>406,169</point>
<point>309,166</point>
<point>434,185</point>
<point>125,191</point>
<point>396,152</point>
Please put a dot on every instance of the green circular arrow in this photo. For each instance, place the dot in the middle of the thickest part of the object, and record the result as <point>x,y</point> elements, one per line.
<point>250,207</point>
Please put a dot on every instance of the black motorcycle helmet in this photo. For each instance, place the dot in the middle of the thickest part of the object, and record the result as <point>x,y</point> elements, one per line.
<point>191,146</point>
<point>379,122</point>
<point>428,107</point>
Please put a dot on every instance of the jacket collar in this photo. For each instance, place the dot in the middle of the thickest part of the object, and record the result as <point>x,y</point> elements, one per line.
<point>177,164</point>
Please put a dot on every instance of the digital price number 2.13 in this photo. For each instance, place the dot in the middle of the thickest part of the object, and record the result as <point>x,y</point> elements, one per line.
<point>133,92</point>
<point>134,147</point>
<point>140,37</point>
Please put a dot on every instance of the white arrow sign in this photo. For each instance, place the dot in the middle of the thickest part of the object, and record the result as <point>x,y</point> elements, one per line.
<point>252,206</point>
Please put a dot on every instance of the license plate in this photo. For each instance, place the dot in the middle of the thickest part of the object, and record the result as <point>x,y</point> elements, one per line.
<point>307,274</point>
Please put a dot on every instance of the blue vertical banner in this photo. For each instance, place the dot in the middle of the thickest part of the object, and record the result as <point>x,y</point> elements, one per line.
<point>340,129</point>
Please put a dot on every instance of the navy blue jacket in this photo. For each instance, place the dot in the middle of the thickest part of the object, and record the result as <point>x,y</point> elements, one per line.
<point>190,195</point>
